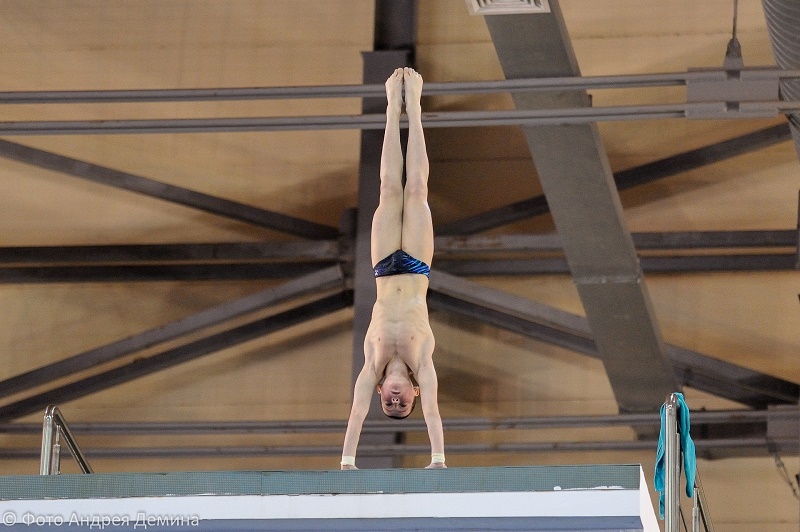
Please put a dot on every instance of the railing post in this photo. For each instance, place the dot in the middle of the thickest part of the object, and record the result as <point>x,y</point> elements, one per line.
<point>702,504</point>
<point>55,462</point>
<point>671,466</point>
<point>54,426</point>
<point>48,428</point>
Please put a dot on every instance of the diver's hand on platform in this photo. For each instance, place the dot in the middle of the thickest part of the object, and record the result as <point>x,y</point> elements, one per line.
<point>436,465</point>
<point>348,466</point>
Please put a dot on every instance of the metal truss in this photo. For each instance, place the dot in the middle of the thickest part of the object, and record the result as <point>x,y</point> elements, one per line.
<point>156,189</point>
<point>317,282</point>
<point>629,178</point>
<point>178,355</point>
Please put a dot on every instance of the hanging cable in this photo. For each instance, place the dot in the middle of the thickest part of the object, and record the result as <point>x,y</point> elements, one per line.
<point>733,54</point>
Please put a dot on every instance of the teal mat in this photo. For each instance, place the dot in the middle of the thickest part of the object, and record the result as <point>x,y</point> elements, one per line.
<point>451,480</point>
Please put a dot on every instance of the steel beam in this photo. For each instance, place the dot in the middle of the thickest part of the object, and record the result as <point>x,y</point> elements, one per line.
<point>329,250</point>
<point>317,250</point>
<point>157,272</point>
<point>339,122</point>
<point>473,266</point>
<point>163,191</point>
<point>715,239</point>
<point>717,433</point>
<point>524,117</point>
<point>392,38</point>
<point>529,328</point>
<point>782,417</point>
<point>449,246</point>
<point>388,37</point>
<point>744,385</point>
<point>531,311</point>
<point>178,355</point>
<point>657,264</point>
<point>700,157</point>
<point>315,282</point>
<point>760,262</point>
<point>625,179</point>
<point>576,178</point>
<point>370,90</point>
<point>731,447</point>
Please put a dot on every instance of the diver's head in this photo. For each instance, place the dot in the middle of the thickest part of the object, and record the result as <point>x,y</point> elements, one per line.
<point>398,396</point>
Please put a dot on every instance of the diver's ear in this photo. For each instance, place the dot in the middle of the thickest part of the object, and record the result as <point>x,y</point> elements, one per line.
<point>416,391</point>
<point>379,388</point>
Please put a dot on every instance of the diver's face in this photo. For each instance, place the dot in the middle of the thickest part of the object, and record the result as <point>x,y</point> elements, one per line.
<point>397,396</point>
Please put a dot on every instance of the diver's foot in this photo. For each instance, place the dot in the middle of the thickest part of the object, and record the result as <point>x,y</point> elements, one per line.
<point>394,91</point>
<point>412,82</point>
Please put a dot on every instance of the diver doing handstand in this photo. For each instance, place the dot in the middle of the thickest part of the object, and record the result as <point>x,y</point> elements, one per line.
<point>398,346</point>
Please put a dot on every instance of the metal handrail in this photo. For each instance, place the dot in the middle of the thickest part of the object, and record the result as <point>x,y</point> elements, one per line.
<point>54,426</point>
<point>374,121</point>
<point>624,81</point>
<point>672,473</point>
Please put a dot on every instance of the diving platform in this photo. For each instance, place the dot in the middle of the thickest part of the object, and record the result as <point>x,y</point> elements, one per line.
<point>598,498</point>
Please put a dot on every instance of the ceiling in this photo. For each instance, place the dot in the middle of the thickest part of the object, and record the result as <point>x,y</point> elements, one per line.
<point>124,246</point>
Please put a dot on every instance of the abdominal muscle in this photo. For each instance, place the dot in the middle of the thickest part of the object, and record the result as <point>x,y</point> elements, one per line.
<point>399,326</point>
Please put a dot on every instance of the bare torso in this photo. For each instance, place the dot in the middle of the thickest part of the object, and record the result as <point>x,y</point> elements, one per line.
<point>400,327</point>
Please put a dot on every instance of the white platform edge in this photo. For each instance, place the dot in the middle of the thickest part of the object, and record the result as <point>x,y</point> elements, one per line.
<point>597,502</point>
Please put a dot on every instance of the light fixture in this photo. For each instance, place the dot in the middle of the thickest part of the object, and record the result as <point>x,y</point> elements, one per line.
<point>508,7</point>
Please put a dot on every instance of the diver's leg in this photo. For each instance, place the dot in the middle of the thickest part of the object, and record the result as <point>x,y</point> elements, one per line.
<point>387,221</point>
<point>417,235</point>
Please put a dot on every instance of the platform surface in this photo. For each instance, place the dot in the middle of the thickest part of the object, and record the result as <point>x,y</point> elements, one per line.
<point>548,498</point>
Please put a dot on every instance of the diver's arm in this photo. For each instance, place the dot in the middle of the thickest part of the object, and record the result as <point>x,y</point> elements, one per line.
<point>364,388</point>
<point>428,391</point>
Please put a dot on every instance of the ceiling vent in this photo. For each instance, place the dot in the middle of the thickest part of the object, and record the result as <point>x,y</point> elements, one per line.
<point>508,7</point>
